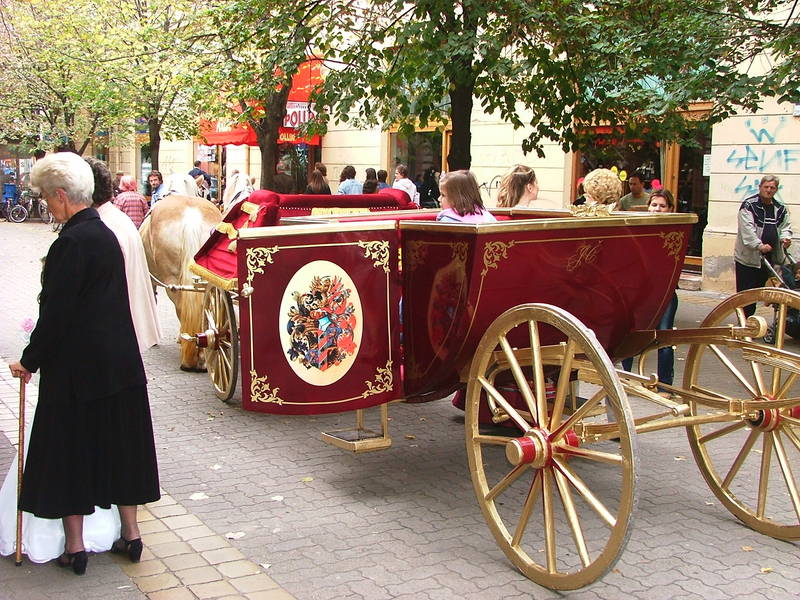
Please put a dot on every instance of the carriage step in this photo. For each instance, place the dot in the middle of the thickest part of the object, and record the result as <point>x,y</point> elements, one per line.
<point>359,439</point>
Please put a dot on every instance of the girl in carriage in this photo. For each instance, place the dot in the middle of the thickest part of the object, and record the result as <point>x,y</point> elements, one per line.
<point>460,198</point>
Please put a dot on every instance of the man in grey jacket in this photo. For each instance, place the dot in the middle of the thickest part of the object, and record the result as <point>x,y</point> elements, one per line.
<point>765,230</point>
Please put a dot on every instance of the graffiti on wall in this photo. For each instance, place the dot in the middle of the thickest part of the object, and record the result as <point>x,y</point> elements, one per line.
<point>769,128</point>
<point>761,155</point>
<point>763,159</point>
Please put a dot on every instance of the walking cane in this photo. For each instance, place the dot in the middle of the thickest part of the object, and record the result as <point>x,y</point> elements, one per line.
<point>20,460</point>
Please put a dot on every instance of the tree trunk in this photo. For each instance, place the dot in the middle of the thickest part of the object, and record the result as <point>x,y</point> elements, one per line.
<point>154,131</point>
<point>459,156</point>
<point>267,131</point>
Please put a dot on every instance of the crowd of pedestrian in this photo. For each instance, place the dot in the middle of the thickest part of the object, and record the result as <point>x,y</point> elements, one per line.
<point>424,191</point>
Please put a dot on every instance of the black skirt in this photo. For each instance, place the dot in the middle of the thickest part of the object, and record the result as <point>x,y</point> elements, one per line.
<point>85,454</point>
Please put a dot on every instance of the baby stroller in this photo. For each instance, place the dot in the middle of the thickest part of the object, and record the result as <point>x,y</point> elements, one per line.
<point>783,276</point>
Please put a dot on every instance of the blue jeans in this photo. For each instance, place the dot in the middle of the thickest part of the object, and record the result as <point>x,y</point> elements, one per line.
<point>666,355</point>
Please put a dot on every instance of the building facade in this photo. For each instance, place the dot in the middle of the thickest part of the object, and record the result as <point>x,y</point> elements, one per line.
<point>710,177</point>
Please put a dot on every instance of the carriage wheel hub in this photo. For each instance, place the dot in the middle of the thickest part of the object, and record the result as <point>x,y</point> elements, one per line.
<point>533,448</point>
<point>206,339</point>
<point>766,419</point>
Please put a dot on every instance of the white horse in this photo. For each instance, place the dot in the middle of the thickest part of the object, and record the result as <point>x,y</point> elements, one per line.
<point>181,185</point>
<point>172,234</point>
<point>238,187</point>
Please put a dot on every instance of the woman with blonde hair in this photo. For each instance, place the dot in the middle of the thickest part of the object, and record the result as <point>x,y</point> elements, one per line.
<point>602,186</point>
<point>518,188</point>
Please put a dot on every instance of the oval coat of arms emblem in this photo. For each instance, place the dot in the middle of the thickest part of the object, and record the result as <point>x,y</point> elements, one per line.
<point>321,322</point>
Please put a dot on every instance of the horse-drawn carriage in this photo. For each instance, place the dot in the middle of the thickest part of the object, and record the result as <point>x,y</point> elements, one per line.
<point>343,312</point>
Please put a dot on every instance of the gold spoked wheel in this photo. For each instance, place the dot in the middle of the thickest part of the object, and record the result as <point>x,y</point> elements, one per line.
<point>222,350</point>
<point>750,461</point>
<point>557,498</point>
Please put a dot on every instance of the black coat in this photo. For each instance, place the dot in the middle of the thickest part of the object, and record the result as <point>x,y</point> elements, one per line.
<point>84,341</point>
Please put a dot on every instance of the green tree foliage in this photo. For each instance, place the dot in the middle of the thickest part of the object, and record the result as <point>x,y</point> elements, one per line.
<point>258,46</point>
<point>53,93</point>
<point>72,70</point>
<point>155,61</point>
<point>553,67</point>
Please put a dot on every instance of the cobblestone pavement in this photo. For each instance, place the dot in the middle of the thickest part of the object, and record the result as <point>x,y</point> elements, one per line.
<point>256,506</point>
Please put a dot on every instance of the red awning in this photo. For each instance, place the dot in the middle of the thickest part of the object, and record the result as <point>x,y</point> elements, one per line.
<point>307,77</point>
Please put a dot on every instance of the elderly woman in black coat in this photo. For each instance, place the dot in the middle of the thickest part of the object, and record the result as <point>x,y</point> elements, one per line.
<point>92,438</point>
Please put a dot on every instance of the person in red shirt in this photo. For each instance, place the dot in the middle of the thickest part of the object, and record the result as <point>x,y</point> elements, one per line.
<point>130,201</point>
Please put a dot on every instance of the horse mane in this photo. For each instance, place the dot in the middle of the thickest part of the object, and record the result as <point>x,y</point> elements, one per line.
<point>193,234</point>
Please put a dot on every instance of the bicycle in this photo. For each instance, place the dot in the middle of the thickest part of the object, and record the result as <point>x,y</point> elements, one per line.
<point>12,210</point>
<point>41,208</point>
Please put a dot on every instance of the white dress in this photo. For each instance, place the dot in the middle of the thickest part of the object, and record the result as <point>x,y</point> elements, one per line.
<point>140,290</point>
<point>43,539</point>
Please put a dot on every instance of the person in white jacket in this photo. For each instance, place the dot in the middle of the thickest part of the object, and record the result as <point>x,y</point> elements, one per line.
<point>402,182</point>
<point>140,290</point>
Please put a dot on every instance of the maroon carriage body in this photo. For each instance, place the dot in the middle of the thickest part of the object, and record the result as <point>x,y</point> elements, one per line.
<point>615,274</point>
<point>301,356</point>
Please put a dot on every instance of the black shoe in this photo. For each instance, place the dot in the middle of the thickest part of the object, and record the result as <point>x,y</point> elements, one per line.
<point>77,560</point>
<point>132,548</point>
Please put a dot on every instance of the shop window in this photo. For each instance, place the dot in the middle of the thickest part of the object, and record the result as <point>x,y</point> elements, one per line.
<point>679,168</point>
<point>610,151</point>
<point>419,151</point>
<point>297,157</point>
<point>693,188</point>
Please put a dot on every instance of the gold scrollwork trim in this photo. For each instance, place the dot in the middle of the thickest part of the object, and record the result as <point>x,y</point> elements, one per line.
<point>378,251</point>
<point>256,259</point>
<point>673,242</point>
<point>417,254</point>
<point>586,254</point>
<point>460,252</point>
<point>383,381</point>
<point>261,391</point>
<point>492,253</point>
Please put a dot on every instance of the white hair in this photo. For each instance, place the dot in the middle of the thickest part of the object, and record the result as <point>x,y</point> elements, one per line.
<point>66,171</point>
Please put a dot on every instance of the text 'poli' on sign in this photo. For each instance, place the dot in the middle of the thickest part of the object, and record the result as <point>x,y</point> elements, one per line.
<point>297,114</point>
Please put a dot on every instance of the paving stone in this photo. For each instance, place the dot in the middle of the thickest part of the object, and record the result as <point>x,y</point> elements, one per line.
<point>160,537</point>
<point>144,568</point>
<point>181,522</point>
<point>253,583</point>
<point>170,549</point>
<point>222,555</point>
<point>184,561</point>
<point>153,583</point>
<point>195,575</point>
<point>179,593</point>
<point>152,526</point>
<point>212,590</point>
<point>192,533</point>
<point>169,510</point>
<point>239,568</point>
<point>208,543</point>
<point>270,595</point>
